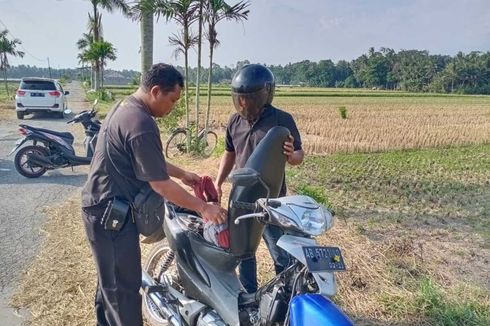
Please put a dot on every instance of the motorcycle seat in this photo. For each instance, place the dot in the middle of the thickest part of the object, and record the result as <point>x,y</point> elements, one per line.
<point>65,135</point>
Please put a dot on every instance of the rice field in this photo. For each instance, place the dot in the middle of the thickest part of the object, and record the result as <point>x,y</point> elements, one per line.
<point>379,124</point>
<point>408,176</point>
<point>375,120</point>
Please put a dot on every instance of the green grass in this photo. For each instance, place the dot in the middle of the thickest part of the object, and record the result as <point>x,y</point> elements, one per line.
<point>444,183</point>
<point>436,306</point>
<point>224,91</point>
<point>7,101</point>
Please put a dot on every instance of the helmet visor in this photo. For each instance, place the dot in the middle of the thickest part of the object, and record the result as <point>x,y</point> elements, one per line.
<point>249,105</point>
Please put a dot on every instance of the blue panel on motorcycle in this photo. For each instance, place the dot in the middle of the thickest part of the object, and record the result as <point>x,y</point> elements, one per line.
<point>316,310</point>
<point>323,259</point>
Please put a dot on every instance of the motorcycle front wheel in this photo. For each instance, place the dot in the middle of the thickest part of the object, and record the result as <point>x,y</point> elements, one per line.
<point>26,168</point>
<point>156,263</point>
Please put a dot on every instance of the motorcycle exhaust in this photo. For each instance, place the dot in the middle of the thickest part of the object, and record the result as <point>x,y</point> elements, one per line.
<point>159,300</point>
<point>40,161</point>
<point>78,160</point>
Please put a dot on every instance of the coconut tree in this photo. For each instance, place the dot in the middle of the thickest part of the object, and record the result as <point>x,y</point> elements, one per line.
<point>216,11</point>
<point>143,11</point>
<point>183,12</point>
<point>199,46</point>
<point>110,6</point>
<point>8,47</point>
<point>101,51</point>
<point>83,45</point>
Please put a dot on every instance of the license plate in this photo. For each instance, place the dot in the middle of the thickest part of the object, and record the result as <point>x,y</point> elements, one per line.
<point>323,259</point>
<point>37,94</point>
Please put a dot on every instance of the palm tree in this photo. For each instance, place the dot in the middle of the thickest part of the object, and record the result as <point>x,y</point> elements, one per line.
<point>8,47</point>
<point>184,13</point>
<point>83,45</point>
<point>216,11</point>
<point>108,5</point>
<point>199,46</point>
<point>101,51</point>
<point>143,11</point>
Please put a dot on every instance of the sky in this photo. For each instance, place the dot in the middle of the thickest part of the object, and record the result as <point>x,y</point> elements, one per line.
<point>276,32</point>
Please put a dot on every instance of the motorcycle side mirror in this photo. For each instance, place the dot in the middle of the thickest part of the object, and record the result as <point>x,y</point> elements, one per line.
<point>245,177</point>
<point>67,111</point>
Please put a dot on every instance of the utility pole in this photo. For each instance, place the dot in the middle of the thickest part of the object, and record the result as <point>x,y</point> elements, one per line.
<point>49,68</point>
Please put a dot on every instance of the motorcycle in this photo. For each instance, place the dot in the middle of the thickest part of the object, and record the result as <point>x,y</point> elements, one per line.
<point>56,150</point>
<point>189,281</point>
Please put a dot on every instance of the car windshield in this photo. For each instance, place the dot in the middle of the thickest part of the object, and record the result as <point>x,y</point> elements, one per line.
<point>42,85</point>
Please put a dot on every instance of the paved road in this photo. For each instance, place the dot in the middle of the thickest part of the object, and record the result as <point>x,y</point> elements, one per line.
<point>22,199</point>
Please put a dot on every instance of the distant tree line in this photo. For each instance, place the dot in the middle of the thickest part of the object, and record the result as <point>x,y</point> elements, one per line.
<point>407,70</point>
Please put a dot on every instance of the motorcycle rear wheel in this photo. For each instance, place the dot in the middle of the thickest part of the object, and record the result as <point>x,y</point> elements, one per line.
<point>25,168</point>
<point>152,266</point>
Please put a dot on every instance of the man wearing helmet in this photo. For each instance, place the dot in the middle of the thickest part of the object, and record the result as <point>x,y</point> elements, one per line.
<point>252,92</point>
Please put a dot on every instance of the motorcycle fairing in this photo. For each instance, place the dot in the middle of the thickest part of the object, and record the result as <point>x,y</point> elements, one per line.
<point>207,272</point>
<point>315,309</point>
<point>269,161</point>
<point>294,246</point>
<point>67,136</point>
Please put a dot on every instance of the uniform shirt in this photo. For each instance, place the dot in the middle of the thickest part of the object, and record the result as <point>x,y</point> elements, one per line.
<point>135,148</point>
<point>243,136</point>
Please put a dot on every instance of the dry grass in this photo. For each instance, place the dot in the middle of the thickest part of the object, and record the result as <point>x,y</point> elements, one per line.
<point>387,260</point>
<point>379,124</point>
<point>385,265</point>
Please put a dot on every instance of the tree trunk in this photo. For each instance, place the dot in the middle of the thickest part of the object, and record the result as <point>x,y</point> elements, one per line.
<point>96,39</point>
<point>96,76</point>
<point>198,81</point>
<point>186,85</point>
<point>146,28</point>
<point>102,76</point>
<point>92,76</point>
<point>210,76</point>
<point>5,80</point>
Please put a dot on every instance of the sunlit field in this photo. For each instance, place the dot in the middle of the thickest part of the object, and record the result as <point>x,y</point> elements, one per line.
<point>375,120</point>
<point>408,176</point>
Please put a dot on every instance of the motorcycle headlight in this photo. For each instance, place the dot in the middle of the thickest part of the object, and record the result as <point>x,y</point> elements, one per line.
<point>314,221</point>
<point>301,213</point>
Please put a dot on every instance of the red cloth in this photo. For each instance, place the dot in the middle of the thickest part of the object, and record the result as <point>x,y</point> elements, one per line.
<point>218,233</point>
<point>205,190</point>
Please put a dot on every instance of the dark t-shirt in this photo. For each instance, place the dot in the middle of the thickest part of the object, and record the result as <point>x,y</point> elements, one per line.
<point>243,136</point>
<point>135,148</point>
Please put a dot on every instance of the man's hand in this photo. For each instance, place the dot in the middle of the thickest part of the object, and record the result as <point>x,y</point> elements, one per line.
<point>294,157</point>
<point>289,147</point>
<point>219,191</point>
<point>214,213</point>
<point>189,178</point>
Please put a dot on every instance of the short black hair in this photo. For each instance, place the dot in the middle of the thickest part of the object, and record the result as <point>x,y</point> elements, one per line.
<point>163,75</point>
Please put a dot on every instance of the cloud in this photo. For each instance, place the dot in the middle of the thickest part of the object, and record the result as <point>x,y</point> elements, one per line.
<point>327,23</point>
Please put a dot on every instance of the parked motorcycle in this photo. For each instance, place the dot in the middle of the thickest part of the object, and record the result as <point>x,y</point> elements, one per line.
<point>51,149</point>
<point>189,281</point>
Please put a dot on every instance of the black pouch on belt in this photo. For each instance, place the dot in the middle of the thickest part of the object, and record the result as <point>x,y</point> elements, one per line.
<point>115,214</point>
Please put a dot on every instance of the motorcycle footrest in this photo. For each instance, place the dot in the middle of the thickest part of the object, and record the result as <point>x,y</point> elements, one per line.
<point>154,288</point>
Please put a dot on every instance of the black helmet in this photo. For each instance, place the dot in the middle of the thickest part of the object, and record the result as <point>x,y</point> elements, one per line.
<point>252,88</point>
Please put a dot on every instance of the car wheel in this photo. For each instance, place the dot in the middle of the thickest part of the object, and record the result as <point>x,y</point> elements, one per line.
<point>20,115</point>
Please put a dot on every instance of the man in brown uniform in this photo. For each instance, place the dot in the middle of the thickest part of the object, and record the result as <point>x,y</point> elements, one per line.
<point>134,141</point>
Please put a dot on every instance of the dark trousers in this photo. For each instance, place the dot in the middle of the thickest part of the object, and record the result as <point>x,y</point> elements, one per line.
<point>248,267</point>
<point>117,258</point>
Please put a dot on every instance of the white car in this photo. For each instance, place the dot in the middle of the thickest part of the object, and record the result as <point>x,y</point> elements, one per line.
<point>40,95</point>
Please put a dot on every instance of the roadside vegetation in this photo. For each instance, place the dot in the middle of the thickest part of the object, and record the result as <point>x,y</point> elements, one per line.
<point>7,102</point>
<point>408,177</point>
<point>394,147</point>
